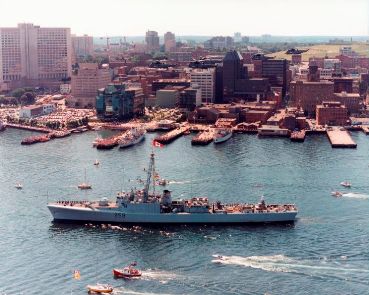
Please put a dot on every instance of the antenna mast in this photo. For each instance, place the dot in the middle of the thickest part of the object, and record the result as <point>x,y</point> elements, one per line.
<point>150,173</point>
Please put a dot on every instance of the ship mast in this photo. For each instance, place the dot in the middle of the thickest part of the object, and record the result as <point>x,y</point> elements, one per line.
<point>150,173</point>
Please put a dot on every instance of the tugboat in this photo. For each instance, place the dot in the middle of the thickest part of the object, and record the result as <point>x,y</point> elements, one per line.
<point>132,137</point>
<point>222,135</point>
<point>100,288</point>
<point>127,272</point>
<point>150,207</point>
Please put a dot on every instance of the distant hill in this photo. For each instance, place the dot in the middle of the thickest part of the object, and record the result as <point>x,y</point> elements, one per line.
<point>322,50</point>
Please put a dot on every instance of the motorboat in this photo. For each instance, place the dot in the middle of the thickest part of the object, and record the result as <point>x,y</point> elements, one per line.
<point>100,288</point>
<point>18,186</point>
<point>222,135</point>
<point>96,163</point>
<point>127,272</point>
<point>336,194</point>
<point>345,184</point>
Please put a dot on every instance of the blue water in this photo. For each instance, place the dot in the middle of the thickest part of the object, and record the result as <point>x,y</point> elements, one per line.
<point>325,252</point>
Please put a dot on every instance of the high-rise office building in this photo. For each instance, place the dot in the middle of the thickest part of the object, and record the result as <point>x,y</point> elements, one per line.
<point>232,71</point>
<point>152,40</point>
<point>169,41</point>
<point>205,79</point>
<point>82,46</point>
<point>276,71</point>
<point>31,55</point>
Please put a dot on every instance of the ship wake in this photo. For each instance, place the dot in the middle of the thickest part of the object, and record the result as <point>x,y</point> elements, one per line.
<point>356,196</point>
<point>322,268</point>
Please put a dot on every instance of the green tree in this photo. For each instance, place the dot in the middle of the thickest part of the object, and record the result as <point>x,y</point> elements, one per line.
<point>17,93</point>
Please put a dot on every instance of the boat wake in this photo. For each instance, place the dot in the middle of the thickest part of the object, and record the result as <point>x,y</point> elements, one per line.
<point>280,263</point>
<point>162,276</point>
<point>356,196</point>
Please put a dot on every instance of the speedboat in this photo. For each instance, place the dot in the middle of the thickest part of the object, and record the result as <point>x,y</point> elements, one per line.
<point>96,163</point>
<point>18,186</point>
<point>337,194</point>
<point>127,272</point>
<point>100,288</point>
<point>345,184</point>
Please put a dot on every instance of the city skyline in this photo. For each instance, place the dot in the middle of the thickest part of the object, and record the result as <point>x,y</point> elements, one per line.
<point>128,18</point>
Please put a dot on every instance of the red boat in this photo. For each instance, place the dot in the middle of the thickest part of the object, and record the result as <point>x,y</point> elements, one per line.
<point>126,272</point>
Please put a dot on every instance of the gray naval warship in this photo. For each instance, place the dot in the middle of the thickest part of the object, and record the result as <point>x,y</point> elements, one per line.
<point>144,207</point>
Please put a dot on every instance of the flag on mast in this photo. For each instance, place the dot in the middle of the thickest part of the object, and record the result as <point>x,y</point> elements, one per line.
<point>77,274</point>
<point>157,144</point>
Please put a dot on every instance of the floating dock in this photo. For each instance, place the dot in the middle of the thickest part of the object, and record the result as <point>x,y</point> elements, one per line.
<point>203,138</point>
<point>171,135</point>
<point>341,138</point>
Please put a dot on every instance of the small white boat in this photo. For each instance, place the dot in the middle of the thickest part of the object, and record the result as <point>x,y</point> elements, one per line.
<point>345,184</point>
<point>18,186</point>
<point>222,135</point>
<point>132,137</point>
<point>100,288</point>
<point>84,185</point>
<point>337,194</point>
<point>96,163</point>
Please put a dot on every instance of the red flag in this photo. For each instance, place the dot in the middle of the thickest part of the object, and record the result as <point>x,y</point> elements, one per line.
<point>157,144</point>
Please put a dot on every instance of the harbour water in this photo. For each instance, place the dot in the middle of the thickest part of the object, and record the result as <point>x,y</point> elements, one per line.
<point>325,252</point>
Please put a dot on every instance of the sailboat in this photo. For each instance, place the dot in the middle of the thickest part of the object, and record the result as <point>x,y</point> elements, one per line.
<point>84,185</point>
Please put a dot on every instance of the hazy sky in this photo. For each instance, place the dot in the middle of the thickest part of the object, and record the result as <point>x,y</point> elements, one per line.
<point>193,17</point>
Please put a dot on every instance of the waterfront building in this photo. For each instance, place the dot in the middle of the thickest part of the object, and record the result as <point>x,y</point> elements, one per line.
<point>119,101</point>
<point>331,113</point>
<point>205,79</point>
<point>352,101</point>
<point>152,41</point>
<point>87,78</point>
<point>169,41</point>
<point>34,56</point>
<point>36,111</point>
<point>82,46</point>
<point>308,95</point>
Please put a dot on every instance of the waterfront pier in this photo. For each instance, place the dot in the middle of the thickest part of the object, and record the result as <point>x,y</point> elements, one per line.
<point>340,138</point>
<point>203,138</point>
<point>171,135</point>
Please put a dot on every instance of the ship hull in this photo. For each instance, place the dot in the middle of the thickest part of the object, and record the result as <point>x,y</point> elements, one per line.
<point>139,139</point>
<point>223,139</point>
<point>74,214</point>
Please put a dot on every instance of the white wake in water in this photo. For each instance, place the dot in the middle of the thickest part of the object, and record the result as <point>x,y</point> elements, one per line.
<point>126,291</point>
<point>160,275</point>
<point>356,196</point>
<point>281,263</point>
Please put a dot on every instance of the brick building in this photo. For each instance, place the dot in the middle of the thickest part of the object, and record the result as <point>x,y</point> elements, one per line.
<point>308,95</point>
<point>331,113</point>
